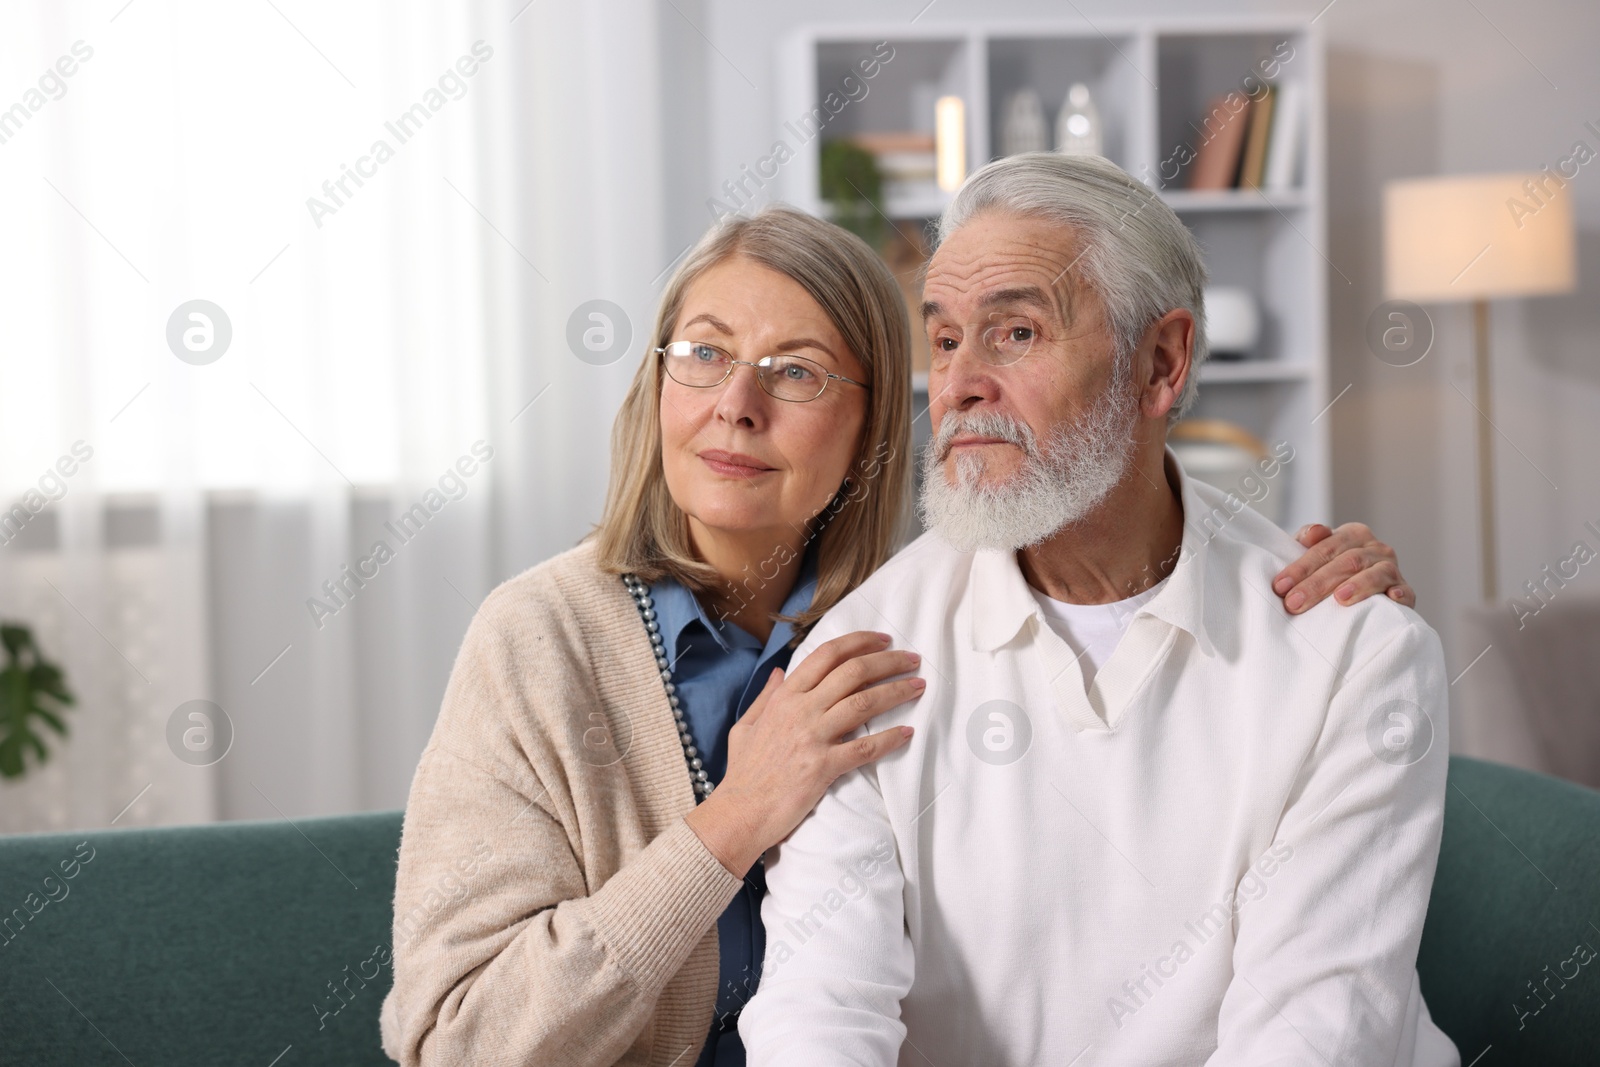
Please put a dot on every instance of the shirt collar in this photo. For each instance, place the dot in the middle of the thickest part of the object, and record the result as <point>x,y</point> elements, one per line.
<point>676,608</point>
<point>1002,602</point>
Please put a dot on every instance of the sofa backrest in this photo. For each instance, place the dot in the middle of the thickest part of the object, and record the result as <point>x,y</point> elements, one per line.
<point>232,943</point>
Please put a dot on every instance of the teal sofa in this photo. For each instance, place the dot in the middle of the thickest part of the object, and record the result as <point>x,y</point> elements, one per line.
<point>266,944</point>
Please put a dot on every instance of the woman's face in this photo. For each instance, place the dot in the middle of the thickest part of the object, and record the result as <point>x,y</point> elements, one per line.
<point>738,460</point>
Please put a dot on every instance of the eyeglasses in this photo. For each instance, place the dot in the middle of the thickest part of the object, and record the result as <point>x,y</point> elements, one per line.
<point>999,344</point>
<point>787,377</point>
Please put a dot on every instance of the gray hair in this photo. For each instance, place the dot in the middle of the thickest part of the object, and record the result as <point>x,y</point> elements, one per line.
<point>1136,254</point>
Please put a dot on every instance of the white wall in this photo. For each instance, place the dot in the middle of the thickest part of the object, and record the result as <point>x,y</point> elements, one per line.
<point>1431,88</point>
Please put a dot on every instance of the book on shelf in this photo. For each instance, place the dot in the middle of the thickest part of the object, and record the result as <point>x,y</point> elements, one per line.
<point>1254,166</point>
<point>889,141</point>
<point>907,165</point>
<point>906,162</point>
<point>1288,131</point>
<point>1216,164</point>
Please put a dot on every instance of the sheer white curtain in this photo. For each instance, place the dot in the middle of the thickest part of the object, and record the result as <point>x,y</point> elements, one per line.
<point>397,208</point>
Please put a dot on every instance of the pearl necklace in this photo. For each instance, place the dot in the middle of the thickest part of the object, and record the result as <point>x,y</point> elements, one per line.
<point>691,755</point>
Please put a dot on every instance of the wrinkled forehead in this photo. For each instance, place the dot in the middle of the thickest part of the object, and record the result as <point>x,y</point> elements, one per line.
<point>995,262</point>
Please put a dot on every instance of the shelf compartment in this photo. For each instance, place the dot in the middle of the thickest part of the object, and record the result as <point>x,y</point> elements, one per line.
<point>1194,69</point>
<point>1273,257</point>
<point>1277,411</point>
<point>891,101</point>
<point>1049,66</point>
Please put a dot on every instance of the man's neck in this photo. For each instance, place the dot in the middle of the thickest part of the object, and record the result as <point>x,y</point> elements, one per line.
<point>1125,546</point>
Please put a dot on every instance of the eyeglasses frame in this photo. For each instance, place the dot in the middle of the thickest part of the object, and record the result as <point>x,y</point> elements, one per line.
<point>757,365</point>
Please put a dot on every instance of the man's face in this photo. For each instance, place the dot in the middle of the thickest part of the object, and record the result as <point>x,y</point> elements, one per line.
<point>1023,448</point>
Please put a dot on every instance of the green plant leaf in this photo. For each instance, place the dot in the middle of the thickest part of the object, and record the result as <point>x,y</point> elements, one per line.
<point>46,678</point>
<point>15,638</point>
<point>52,719</point>
<point>32,690</point>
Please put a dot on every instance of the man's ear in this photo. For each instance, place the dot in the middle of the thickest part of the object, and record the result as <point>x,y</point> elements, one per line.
<point>1164,362</point>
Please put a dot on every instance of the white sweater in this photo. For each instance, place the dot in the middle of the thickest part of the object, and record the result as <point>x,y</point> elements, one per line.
<point>1221,853</point>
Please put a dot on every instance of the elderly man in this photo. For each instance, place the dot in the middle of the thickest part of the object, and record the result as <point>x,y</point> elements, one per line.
<point>1146,816</point>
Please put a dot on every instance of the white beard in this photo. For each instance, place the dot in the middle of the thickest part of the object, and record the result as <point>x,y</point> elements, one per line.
<point>1058,484</point>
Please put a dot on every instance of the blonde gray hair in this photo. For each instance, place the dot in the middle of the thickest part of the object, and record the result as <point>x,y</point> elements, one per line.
<point>643,530</point>
<point>1135,254</point>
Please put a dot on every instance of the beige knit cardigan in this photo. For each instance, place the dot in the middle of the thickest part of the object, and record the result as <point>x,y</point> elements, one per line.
<point>552,907</point>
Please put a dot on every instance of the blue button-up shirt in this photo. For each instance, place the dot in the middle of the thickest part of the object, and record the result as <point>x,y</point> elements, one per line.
<point>720,669</point>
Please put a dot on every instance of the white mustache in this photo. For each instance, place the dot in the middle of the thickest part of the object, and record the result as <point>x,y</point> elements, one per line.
<point>985,424</point>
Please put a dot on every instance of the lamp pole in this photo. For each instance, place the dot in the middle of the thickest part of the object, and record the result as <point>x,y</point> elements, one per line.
<point>1480,327</point>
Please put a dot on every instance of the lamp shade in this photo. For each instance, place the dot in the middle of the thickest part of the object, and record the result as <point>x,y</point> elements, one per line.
<point>1480,236</point>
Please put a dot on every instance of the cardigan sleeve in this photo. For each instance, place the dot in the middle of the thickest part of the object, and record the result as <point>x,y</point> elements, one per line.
<point>503,953</point>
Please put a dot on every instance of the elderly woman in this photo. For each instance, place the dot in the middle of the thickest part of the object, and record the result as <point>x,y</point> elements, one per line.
<point>579,877</point>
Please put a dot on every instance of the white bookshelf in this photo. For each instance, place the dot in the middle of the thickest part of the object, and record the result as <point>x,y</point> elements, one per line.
<point>1149,78</point>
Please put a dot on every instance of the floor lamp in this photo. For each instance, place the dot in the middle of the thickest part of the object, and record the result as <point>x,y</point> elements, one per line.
<point>1472,239</point>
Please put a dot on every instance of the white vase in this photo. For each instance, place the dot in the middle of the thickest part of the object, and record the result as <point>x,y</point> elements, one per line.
<point>1233,321</point>
<point>1078,131</point>
<point>1023,129</point>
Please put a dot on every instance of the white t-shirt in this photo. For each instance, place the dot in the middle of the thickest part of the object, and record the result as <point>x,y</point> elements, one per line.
<point>1092,630</point>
